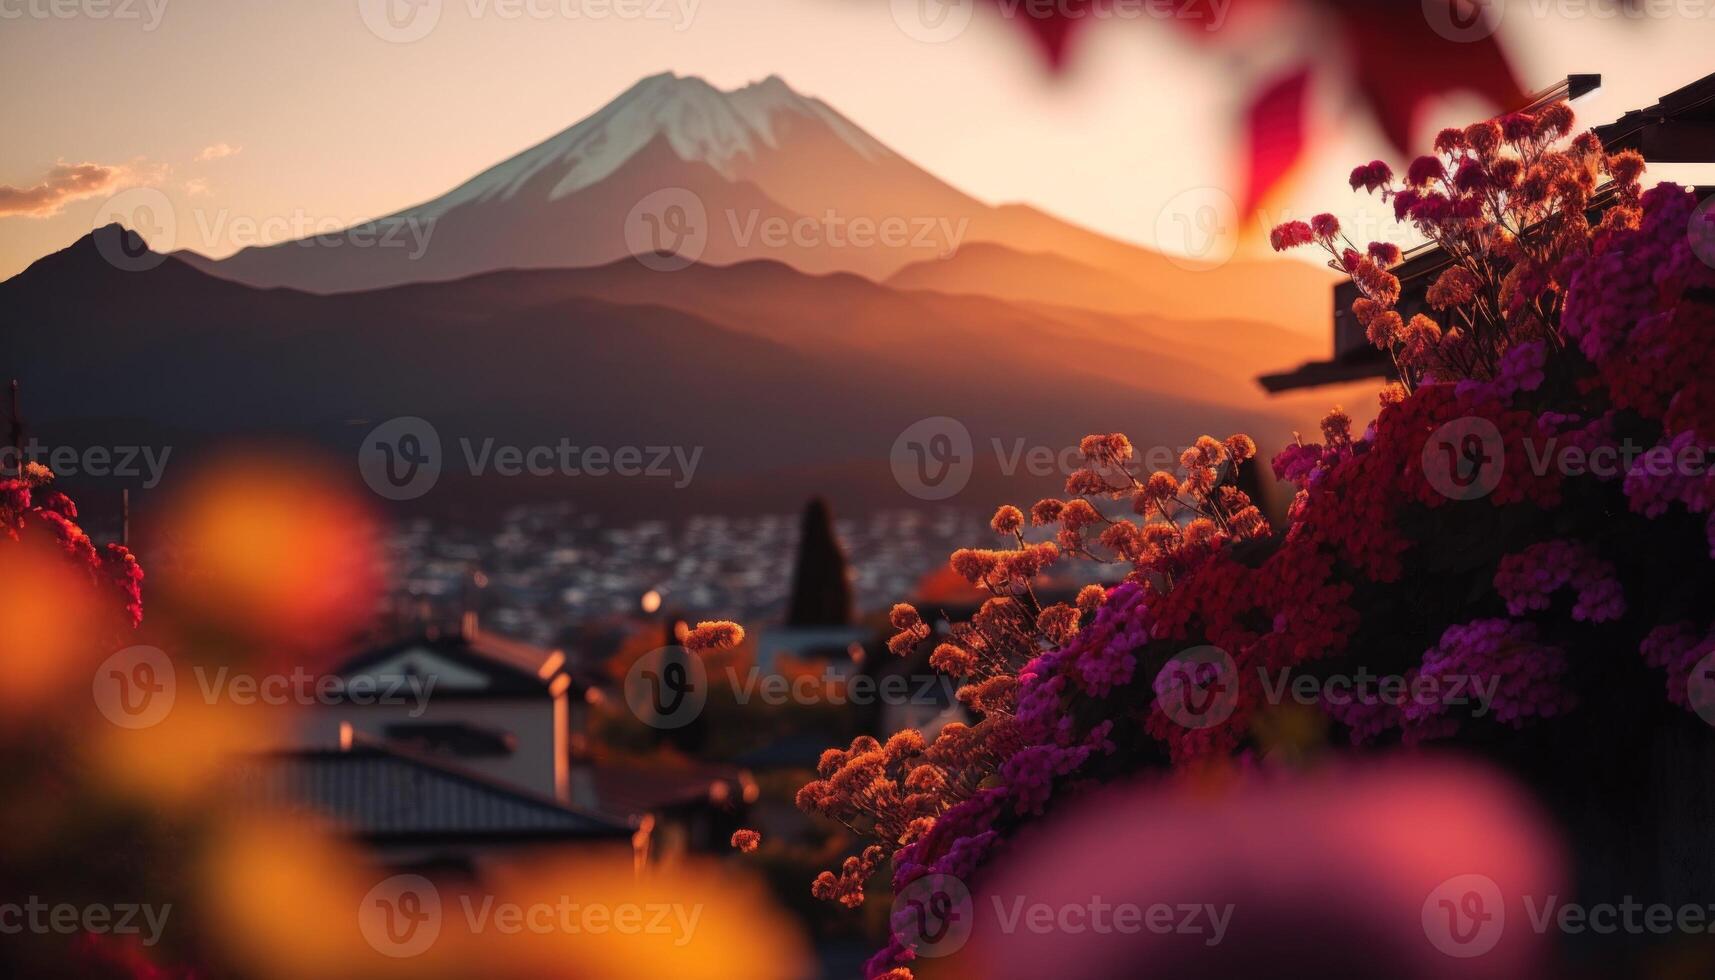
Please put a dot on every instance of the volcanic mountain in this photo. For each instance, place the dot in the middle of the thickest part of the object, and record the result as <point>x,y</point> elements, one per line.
<point>675,165</point>
<point>542,309</point>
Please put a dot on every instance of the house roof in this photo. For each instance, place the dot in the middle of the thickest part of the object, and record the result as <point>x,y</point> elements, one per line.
<point>459,738</point>
<point>481,664</point>
<point>383,793</point>
<point>1680,128</point>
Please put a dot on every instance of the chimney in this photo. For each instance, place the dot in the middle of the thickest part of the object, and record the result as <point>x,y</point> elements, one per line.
<point>475,582</point>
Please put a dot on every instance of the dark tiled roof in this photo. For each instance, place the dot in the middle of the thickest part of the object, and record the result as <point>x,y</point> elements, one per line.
<point>1678,129</point>
<point>455,737</point>
<point>383,793</point>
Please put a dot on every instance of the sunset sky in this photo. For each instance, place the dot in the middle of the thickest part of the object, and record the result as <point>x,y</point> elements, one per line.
<point>264,121</point>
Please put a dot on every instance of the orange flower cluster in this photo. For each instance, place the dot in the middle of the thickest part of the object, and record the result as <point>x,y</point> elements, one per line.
<point>892,793</point>
<point>1198,509</point>
<point>714,636</point>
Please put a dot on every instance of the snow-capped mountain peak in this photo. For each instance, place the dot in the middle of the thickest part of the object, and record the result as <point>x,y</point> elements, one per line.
<point>700,123</point>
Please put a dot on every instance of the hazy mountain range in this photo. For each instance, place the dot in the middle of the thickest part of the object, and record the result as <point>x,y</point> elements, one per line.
<point>794,354</point>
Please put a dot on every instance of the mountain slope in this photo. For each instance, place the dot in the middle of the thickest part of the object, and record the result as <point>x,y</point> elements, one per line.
<point>1114,278</point>
<point>847,314</point>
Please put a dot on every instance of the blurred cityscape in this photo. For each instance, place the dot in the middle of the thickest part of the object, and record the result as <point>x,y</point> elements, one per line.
<point>547,569</point>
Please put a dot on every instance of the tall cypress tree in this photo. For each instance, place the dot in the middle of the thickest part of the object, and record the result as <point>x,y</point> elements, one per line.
<point>821,584</point>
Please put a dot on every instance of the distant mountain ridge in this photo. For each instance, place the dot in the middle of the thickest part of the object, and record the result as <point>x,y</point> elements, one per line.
<point>764,172</point>
<point>723,358</point>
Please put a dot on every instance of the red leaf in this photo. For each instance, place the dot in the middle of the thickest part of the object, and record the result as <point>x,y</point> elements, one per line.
<point>1401,61</point>
<point>1275,125</point>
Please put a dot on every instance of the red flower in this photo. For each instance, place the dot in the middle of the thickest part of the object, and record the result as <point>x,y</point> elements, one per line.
<point>1385,253</point>
<point>1290,234</point>
<point>1519,127</point>
<point>1372,176</point>
<point>1423,170</point>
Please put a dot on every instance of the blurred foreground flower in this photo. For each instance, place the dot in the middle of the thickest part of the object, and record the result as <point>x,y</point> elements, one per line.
<point>274,552</point>
<point>1326,874</point>
<point>295,901</point>
<point>62,599</point>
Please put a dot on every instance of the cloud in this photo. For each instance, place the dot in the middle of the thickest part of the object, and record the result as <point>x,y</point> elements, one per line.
<point>64,182</point>
<point>217,150</point>
<point>196,186</point>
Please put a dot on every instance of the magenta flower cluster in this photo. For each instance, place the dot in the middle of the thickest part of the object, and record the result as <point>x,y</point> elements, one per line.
<point>1529,579</point>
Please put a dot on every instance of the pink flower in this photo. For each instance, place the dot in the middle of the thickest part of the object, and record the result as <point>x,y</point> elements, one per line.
<point>1528,580</point>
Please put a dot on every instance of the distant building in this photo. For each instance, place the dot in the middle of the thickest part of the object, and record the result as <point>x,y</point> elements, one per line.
<point>420,811</point>
<point>504,709</point>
